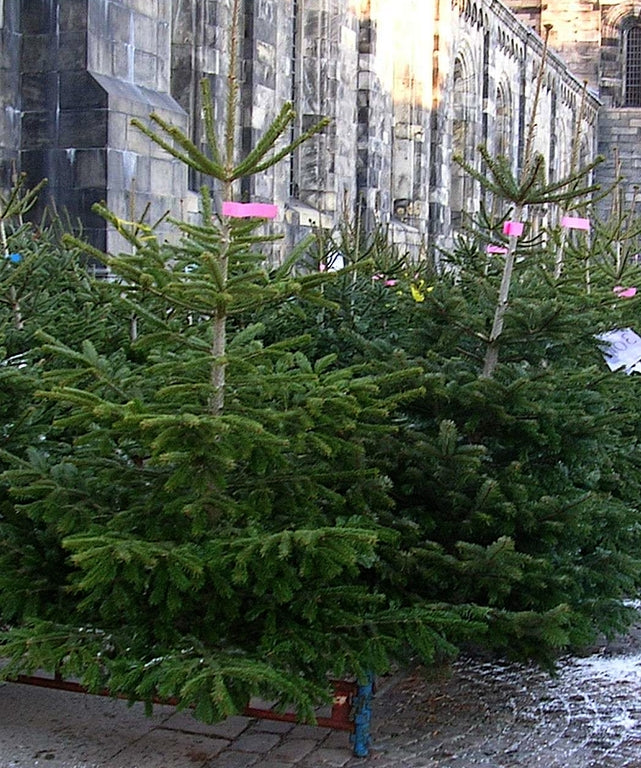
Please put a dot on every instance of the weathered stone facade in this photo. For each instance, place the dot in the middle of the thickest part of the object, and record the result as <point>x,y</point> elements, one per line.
<point>594,39</point>
<point>406,83</point>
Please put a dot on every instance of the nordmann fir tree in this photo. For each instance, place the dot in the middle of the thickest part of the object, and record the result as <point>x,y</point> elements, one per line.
<point>213,492</point>
<point>43,287</point>
<point>505,488</point>
<point>515,477</point>
<point>529,188</point>
<point>556,484</point>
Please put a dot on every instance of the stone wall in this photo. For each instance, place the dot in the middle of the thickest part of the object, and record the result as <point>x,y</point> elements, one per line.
<point>486,79</point>
<point>10,96</point>
<point>405,84</point>
<point>590,38</point>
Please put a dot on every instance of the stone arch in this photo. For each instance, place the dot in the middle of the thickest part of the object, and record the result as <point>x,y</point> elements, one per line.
<point>613,16</point>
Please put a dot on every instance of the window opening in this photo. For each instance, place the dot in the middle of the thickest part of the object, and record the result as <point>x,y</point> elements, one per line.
<point>294,190</point>
<point>633,67</point>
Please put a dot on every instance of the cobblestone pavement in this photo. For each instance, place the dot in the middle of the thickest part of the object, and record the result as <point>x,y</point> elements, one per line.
<point>508,716</point>
<point>495,715</point>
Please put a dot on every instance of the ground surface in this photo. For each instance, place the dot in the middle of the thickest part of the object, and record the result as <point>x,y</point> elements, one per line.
<point>493,715</point>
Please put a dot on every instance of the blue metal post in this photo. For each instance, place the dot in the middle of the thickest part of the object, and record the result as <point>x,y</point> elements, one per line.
<point>361,738</point>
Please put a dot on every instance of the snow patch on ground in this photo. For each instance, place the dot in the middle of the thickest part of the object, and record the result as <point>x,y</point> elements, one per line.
<point>614,668</point>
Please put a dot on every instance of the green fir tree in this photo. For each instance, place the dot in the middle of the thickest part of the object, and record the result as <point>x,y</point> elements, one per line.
<point>208,491</point>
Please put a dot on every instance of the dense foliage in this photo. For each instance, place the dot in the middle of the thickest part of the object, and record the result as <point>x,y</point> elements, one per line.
<point>223,479</point>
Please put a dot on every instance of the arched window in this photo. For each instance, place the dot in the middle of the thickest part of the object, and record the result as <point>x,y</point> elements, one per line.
<point>463,141</point>
<point>632,80</point>
<point>504,121</point>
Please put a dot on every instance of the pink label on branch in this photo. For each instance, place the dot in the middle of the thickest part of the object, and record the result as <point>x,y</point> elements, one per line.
<point>249,210</point>
<point>625,293</point>
<point>496,249</point>
<point>513,228</point>
<point>575,222</point>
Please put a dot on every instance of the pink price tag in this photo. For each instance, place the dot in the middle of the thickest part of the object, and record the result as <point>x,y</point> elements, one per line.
<point>625,293</point>
<point>250,210</point>
<point>575,222</point>
<point>496,249</point>
<point>513,228</point>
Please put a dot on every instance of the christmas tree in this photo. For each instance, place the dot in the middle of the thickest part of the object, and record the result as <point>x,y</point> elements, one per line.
<point>208,491</point>
<point>514,473</point>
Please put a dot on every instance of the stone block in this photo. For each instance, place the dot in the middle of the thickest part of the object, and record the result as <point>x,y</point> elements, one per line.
<point>145,68</point>
<point>162,178</point>
<point>118,124</point>
<point>36,54</point>
<point>35,164</point>
<point>122,60</point>
<point>264,69</point>
<point>39,91</point>
<point>88,197</point>
<point>149,7</point>
<point>7,166</point>
<point>96,236</point>
<point>143,173</point>
<point>72,50</point>
<point>99,56</point>
<point>72,16</point>
<point>163,40</point>
<point>265,11</point>
<point>83,128</point>
<point>37,17</point>
<point>62,163</point>
<point>89,168</point>
<point>120,24</point>
<point>38,129</point>
<point>79,91</point>
<point>179,181</point>
<point>145,33</point>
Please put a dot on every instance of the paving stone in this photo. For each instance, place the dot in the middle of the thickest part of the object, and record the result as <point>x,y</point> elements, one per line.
<point>276,763</point>
<point>309,732</point>
<point>329,757</point>
<point>230,728</point>
<point>231,759</point>
<point>337,740</point>
<point>271,726</point>
<point>293,750</point>
<point>256,742</point>
<point>480,715</point>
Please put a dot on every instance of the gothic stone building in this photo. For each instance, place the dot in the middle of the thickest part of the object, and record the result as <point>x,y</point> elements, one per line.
<point>406,83</point>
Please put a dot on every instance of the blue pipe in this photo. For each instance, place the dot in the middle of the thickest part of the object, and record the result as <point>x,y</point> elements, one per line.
<point>362,708</point>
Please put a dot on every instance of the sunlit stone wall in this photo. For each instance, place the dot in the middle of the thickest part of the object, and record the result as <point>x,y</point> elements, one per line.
<point>406,84</point>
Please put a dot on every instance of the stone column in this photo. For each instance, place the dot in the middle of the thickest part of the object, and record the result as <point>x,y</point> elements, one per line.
<point>64,128</point>
<point>10,100</point>
<point>87,67</point>
<point>128,62</point>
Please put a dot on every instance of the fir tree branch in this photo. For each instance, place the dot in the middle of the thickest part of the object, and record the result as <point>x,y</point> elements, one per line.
<point>265,143</point>
<point>209,122</point>
<point>320,126</point>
